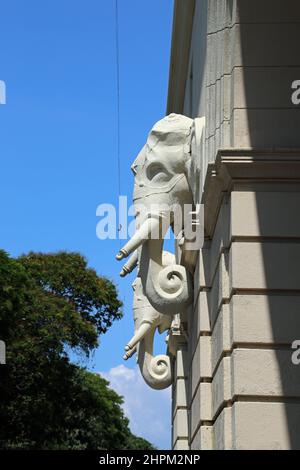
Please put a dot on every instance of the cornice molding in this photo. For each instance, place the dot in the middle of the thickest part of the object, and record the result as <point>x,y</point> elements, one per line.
<point>245,167</point>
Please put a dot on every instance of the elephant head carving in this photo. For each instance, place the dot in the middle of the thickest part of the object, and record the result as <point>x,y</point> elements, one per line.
<point>161,191</point>
<point>162,288</point>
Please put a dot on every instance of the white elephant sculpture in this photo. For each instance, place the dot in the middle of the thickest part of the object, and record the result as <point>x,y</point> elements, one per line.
<point>162,288</point>
<point>161,190</point>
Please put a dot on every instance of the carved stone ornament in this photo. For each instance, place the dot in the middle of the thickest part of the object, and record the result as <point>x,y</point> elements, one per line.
<point>163,186</point>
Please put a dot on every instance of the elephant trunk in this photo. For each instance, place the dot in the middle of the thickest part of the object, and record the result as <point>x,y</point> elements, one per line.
<point>156,370</point>
<point>148,227</point>
<point>167,285</point>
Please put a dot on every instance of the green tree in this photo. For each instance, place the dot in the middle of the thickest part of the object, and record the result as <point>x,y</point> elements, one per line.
<point>49,302</point>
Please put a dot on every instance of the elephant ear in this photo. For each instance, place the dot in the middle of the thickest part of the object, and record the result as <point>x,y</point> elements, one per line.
<point>195,158</point>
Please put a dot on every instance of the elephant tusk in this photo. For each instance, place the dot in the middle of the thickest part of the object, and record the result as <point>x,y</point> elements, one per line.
<point>130,265</point>
<point>129,353</point>
<point>139,335</point>
<point>148,227</point>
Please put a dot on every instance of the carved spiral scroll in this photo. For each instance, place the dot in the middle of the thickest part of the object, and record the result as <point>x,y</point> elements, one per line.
<point>175,284</point>
<point>158,373</point>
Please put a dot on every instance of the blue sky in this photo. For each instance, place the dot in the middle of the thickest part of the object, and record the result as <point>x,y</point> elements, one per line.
<point>58,134</point>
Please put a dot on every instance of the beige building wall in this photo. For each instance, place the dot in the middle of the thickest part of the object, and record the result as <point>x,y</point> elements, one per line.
<point>234,61</point>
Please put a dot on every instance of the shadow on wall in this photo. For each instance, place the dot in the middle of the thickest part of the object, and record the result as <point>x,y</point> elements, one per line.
<point>195,85</point>
<point>269,33</point>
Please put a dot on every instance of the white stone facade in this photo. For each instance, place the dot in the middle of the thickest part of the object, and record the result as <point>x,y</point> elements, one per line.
<point>235,387</point>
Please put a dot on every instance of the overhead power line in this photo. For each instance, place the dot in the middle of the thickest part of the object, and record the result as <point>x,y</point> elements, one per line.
<point>118,93</point>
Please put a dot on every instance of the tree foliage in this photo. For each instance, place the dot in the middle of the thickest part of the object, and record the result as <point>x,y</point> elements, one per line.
<point>84,298</point>
<point>48,302</point>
